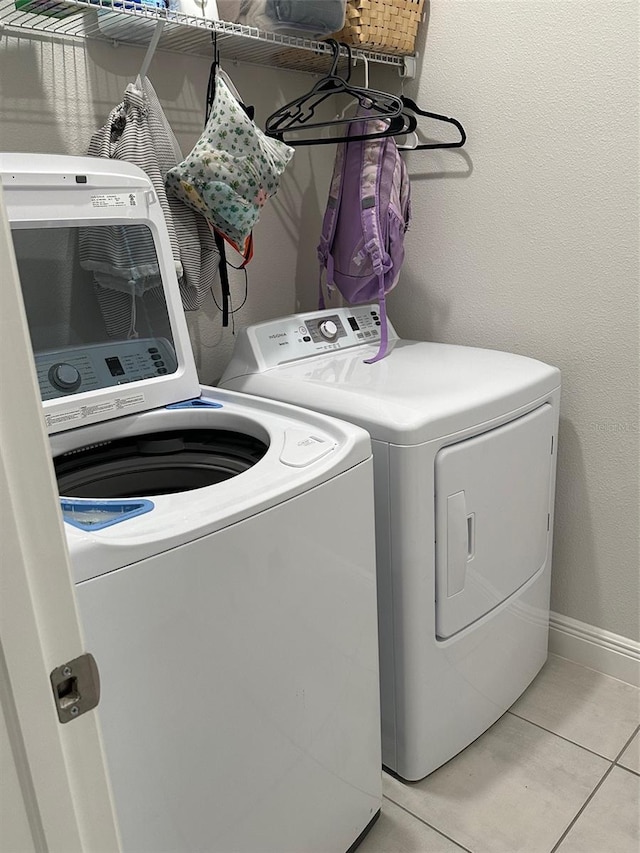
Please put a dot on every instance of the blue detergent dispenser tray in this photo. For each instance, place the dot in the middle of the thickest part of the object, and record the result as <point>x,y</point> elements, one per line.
<point>96,515</point>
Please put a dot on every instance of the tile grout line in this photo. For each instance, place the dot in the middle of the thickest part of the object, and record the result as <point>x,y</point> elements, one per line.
<point>424,822</point>
<point>568,740</point>
<point>595,790</point>
<point>582,808</point>
<point>627,770</point>
<point>634,733</point>
<point>612,763</point>
<point>623,750</point>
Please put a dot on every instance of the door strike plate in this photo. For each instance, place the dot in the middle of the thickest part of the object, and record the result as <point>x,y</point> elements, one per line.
<point>76,687</point>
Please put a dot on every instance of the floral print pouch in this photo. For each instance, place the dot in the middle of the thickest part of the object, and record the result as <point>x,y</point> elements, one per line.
<point>232,170</point>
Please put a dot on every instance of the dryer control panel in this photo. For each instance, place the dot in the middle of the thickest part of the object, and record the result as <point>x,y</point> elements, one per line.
<point>298,336</point>
<point>85,368</point>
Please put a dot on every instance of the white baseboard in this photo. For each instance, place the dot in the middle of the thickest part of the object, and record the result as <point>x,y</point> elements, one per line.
<point>596,648</point>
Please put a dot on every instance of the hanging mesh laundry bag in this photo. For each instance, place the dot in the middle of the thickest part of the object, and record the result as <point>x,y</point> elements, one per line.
<point>231,172</point>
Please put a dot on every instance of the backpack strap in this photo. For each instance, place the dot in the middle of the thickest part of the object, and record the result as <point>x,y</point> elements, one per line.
<point>380,260</point>
<point>384,335</point>
<point>329,222</point>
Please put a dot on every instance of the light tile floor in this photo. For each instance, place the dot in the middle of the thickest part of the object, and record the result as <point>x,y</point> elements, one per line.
<point>559,772</point>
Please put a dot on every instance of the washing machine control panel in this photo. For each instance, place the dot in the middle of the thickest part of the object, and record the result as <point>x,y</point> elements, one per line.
<point>304,335</point>
<point>86,368</point>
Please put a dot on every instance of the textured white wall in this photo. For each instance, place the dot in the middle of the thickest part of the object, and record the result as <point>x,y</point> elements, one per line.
<point>55,94</point>
<point>528,241</point>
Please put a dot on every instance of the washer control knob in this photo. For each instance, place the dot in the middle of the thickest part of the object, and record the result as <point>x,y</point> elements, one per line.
<point>328,329</point>
<point>64,377</point>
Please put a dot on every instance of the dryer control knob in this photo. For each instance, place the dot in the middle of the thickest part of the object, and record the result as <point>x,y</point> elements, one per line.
<point>328,329</point>
<point>64,377</point>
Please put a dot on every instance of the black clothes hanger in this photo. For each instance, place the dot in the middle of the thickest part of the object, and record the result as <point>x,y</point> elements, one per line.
<point>398,126</point>
<point>408,104</point>
<point>297,115</point>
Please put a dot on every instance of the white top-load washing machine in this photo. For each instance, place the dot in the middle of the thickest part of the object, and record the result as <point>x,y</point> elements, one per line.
<point>228,599</point>
<point>464,444</point>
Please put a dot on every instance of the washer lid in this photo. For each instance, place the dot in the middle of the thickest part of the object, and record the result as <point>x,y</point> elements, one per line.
<point>100,288</point>
<point>418,392</point>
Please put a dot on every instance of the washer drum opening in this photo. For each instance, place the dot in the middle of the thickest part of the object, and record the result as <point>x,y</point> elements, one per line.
<point>156,463</point>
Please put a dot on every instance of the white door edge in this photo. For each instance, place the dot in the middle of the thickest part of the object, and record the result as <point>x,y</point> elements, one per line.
<point>59,769</point>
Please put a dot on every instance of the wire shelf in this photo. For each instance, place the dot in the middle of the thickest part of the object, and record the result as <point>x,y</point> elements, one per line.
<point>135,24</point>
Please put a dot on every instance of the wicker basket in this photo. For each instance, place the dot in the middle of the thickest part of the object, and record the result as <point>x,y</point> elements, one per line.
<point>389,26</point>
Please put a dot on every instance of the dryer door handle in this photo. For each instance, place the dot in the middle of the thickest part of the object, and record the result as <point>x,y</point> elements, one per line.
<point>460,544</point>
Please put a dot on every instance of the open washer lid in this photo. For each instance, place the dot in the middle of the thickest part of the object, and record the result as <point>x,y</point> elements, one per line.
<point>100,288</point>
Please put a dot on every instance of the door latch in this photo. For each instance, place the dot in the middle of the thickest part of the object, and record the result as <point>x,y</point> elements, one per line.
<point>76,687</point>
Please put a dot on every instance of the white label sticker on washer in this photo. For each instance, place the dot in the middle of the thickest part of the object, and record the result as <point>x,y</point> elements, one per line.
<point>97,409</point>
<point>63,417</point>
<point>114,200</point>
<point>127,402</point>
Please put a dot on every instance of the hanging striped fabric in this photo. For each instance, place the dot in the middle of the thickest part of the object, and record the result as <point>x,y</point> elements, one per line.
<point>125,267</point>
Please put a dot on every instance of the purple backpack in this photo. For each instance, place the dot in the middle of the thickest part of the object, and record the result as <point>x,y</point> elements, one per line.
<point>367,215</point>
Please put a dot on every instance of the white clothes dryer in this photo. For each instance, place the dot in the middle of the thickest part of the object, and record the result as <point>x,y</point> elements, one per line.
<point>235,636</point>
<point>464,444</point>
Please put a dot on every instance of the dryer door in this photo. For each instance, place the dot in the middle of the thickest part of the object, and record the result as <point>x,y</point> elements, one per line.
<point>492,517</point>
